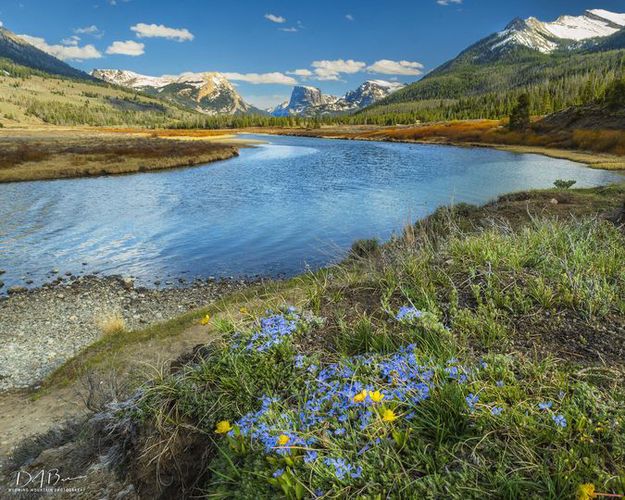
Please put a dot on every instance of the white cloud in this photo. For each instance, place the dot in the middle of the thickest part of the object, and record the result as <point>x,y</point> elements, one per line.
<point>292,29</point>
<point>72,40</point>
<point>301,72</point>
<point>265,101</point>
<point>160,31</point>
<point>1,24</point>
<point>349,17</point>
<point>275,19</point>
<point>64,52</point>
<point>388,67</point>
<point>448,2</point>
<point>262,78</point>
<point>331,70</point>
<point>128,48</point>
<point>92,30</point>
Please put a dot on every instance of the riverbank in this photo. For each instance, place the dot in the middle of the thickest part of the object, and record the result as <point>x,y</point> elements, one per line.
<point>56,153</point>
<point>597,149</point>
<point>514,309</point>
<point>42,328</point>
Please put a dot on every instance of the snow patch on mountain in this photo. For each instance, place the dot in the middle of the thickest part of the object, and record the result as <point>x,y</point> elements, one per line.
<point>310,101</point>
<point>549,36</point>
<point>209,93</point>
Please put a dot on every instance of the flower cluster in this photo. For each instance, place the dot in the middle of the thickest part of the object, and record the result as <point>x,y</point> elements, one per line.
<point>274,329</point>
<point>408,313</point>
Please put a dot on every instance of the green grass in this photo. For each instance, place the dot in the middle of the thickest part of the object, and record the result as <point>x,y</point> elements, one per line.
<point>503,307</point>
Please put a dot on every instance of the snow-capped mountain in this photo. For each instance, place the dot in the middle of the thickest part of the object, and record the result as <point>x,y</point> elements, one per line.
<point>370,92</point>
<point>304,100</point>
<point>209,93</point>
<point>564,32</point>
<point>309,101</point>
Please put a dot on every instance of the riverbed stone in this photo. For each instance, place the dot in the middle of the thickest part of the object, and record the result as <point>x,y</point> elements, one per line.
<point>38,332</point>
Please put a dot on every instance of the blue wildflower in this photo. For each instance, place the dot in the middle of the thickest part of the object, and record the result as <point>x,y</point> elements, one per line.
<point>278,473</point>
<point>471,400</point>
<point>496,411</point>
<point>310,456</point>
<point>559,420</point>
<point>408,313</point>
<point>545,405</point>
<point>500,383</point>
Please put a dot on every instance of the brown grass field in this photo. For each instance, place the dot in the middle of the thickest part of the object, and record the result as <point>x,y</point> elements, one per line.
<point>55,154</point>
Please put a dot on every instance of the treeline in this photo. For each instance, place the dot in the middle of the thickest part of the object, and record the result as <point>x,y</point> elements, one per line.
<point>492,91</point>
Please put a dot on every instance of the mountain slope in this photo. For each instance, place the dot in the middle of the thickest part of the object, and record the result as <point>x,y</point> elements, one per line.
<point>32,97</point>
<point>208,93</point>
<point>21,52</point>
<point>561,63</point>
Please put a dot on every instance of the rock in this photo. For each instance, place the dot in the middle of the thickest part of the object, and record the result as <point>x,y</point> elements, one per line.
<point>553,201</point>
<point>1,284</point>
<point>128,283</point>
<point>17,289</point>
<point>29,282</point>
<point>55,271</point>
<point>2,271</point>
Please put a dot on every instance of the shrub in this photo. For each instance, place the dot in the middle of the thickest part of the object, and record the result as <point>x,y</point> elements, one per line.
<point>562,184</point>
<point>111,324</point>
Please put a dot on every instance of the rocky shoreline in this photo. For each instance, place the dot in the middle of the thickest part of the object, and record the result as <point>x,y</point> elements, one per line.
<point>41,328</point>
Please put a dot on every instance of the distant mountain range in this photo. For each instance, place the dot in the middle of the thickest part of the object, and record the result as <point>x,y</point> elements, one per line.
<point>208,93</point>
<point>21,52</point>
<point>310,101</point>
<point>527,54</point>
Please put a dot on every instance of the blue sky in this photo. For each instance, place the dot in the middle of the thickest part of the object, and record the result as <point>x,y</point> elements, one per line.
<point>267,46</point>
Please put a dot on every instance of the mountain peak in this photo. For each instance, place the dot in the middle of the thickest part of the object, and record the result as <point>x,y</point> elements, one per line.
<point>546,37</point>
<point>208,92</point>
<point>307,100</point>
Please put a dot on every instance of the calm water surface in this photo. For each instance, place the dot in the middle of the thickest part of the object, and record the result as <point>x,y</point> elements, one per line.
<point>275,209</point>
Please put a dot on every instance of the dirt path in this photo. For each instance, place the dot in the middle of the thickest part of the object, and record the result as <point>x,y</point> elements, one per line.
<point>22,416</point>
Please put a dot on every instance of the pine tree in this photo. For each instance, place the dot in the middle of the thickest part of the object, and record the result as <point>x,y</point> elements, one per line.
<point>520,117</point>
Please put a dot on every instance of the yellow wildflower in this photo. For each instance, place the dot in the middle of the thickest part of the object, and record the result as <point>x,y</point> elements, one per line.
<point>586,492</point>
<point>376,396</point>
<point>389,415</point>
<point>283,439</point>
<point>360,397</point>
<point>205,320</point>
<point>223,427</point>
<point>243,310</point>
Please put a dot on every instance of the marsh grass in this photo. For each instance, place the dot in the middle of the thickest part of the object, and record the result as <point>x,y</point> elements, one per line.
<point>78,155</point>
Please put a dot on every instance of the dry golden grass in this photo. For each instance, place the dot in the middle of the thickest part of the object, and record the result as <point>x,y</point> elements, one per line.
<point>111,323</point>
<point>52,155</point>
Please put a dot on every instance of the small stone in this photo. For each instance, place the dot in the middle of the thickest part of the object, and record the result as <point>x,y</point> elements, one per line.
<point>553,201</point>
<point>29,282</point>
<point>2,271</point>
<point>17,289</point>
<point>60,296</point>
<point>128,283</point>
<point>1,284</point>
<point>55,271</point>
<point>73,318</point>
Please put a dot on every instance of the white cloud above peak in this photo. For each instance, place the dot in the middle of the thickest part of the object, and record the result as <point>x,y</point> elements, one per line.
<point>275,18</point>
<point>70,51</point>
<point>388,67</point>
<point>275,78</point>
<point>331,70</point>
<point>445,3</point>
<point>127,48</point>
<point>144,30</point>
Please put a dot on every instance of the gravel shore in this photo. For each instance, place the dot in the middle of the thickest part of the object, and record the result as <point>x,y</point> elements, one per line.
<point>42,328</point>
